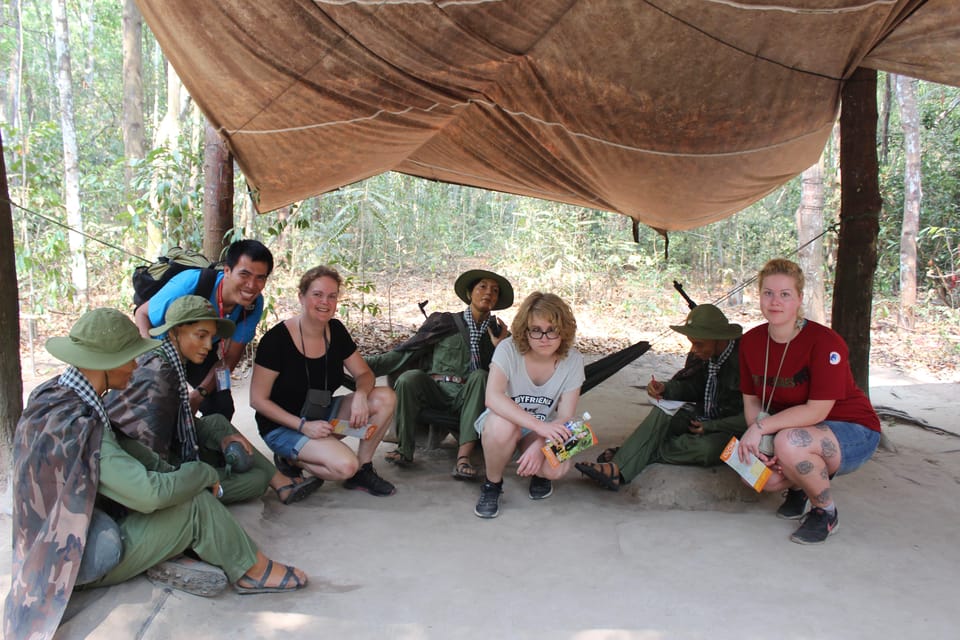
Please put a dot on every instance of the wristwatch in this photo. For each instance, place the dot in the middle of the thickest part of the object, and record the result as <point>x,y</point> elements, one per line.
<point>202,391</point>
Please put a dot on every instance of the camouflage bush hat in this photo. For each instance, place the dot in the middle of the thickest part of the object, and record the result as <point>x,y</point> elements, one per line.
<point>464,285</point>
<point>706,322</point>
<point>193,309</point>
<point>102,339</point>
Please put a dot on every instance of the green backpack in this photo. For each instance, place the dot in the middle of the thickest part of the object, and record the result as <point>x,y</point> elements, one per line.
<point>150,278</point>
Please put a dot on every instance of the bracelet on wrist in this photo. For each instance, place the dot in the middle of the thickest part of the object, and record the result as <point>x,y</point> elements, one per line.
<point>303,421</point>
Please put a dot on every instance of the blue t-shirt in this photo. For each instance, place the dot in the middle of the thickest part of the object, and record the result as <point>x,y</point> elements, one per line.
<point>185,284</point>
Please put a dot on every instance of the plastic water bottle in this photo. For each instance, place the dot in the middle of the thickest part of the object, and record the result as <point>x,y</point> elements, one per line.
<point>580,439</point>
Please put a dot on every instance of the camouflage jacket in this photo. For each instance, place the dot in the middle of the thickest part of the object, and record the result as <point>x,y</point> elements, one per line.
<point>147,409</point>
<point>440,345</point>
<point>56,470</point>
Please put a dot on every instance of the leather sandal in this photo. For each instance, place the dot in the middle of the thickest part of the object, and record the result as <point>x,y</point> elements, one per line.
<point>397,458</point>
<point>286,467</point>
<point>606,474</point>
<point>607,455</point>
<point>463,470</point>
<point>247,584</point>
<point>297,491</point>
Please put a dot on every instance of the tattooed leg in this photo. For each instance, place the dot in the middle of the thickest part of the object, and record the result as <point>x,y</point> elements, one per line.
<point>805,455</point>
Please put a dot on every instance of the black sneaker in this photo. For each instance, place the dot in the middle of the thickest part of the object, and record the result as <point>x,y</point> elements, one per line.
<point>540,488</point>
<point>367,479</point>
<point>488,506</point>
<point>794,505</point>
<point>816,527</point>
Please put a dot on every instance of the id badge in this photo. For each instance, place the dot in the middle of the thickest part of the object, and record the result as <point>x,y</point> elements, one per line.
<point>223,378</point>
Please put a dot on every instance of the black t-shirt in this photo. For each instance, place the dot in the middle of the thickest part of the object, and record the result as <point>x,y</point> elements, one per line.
<point>278,352</point>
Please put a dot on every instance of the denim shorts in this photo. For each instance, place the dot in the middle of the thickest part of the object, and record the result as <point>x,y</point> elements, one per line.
<point>287,443</point>
<point>857,444</point>
<point>482,420</point>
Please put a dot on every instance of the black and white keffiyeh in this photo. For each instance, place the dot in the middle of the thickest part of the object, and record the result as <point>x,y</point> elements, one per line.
<point>186,429</point>
<point>476,332</point>
<point>710,408</point>
<point>73,379</point>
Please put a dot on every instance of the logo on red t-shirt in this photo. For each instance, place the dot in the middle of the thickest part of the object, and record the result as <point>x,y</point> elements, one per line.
<point>834,357</point>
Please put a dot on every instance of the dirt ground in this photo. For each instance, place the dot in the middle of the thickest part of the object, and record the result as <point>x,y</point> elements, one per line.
<point>679,553</point>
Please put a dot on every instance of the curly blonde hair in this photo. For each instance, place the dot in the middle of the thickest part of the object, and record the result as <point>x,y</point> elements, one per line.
<point>554,310</point>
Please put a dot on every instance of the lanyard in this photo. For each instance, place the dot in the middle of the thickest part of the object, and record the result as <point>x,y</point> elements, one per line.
<point>224,342</point>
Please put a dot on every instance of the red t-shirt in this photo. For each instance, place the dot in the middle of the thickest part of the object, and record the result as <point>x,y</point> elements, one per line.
<point>816,367</point>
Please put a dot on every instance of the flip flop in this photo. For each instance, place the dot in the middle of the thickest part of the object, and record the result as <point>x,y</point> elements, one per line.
<point>464,470</point>
<point>299,490</point>
<point>253,586</point>
<point>605,474</point>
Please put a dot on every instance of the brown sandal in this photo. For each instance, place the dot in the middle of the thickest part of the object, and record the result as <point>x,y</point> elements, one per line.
<point>464,470</point>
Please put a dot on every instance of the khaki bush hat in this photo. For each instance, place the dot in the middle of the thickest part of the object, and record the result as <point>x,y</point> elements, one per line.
<point>193,309</point>
<point>706,322</point>
<point>467,279</point>
<point>102,339</point>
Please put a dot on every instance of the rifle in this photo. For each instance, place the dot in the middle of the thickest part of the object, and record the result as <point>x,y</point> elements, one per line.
<point>679,288</point>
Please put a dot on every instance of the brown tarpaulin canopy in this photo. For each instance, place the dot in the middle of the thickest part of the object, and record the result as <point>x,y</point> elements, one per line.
<point>676,113</point>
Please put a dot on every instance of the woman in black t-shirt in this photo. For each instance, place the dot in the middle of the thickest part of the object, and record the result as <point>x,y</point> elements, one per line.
<point>299,365</point>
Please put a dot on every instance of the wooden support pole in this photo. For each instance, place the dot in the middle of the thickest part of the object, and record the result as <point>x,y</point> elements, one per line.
<point>860,206</point>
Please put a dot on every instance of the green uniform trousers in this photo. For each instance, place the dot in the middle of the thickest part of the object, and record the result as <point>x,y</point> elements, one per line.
<point>201,523</point>
<point>416,391</point>
<point>237,487</point>
<point>665,438</point>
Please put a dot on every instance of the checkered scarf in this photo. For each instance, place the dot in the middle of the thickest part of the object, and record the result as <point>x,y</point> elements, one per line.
<point>476,332</point>
<point>73,379</point>
<point>186,428</point>
<point>710,408</point>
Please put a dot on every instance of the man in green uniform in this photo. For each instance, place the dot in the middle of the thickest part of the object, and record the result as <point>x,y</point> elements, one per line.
<point>698,432</point>
<point>75,480</point>
<point>446,365</point>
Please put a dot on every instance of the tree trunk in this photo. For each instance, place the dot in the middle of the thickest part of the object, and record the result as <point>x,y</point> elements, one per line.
<point>810,237</point>
<point>133,133</point>
<point>11,386</point>
<point>167,135</point>
<point>217,193</point>
<point>912,195</point>
<point>886,104</point>
<point>71,168</point>
<point>88,22</point>
<point>860,205</point>
<point>13,85</point>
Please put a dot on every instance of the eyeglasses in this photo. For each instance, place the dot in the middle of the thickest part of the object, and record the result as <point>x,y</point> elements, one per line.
<point>549,334</point>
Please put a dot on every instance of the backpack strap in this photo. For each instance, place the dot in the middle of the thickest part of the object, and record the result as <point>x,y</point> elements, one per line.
<point>462,326</point>
<point>206,283</point>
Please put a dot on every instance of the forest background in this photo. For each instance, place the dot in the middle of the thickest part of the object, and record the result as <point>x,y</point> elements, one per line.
<point>104,153</point>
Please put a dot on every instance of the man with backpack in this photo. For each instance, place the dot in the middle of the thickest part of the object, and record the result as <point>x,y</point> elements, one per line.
<point>235,293</point>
